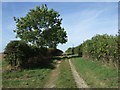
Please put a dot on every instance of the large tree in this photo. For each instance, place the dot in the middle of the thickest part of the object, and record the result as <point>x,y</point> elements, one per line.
<point>41,27</point>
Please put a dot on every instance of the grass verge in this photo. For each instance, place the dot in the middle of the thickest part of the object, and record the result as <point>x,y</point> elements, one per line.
<point>28,78</point>
<point>65,78</point>
<point>95,74</point>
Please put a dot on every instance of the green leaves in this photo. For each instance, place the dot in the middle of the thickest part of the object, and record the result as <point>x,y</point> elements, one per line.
<point>100,47</point>
<point>17,53</point>
<point>41,27</point>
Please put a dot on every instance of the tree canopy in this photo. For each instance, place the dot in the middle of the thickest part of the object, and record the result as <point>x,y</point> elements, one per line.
<point>41,27</point>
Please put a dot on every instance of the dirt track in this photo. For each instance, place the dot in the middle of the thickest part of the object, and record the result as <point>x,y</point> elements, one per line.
<point>79,81</point>
<point>54,74</point>
<point>53,77</point>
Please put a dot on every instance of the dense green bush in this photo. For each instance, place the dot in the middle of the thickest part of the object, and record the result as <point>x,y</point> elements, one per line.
<point>20,54</point>
<point>78,50</point>
<point>17,53</point>
<point>69,51</point>
<point>42,56</point>
<point>75,50</point>
<point>101,48</point>
<point>54,52</point>
<point>38,56</point>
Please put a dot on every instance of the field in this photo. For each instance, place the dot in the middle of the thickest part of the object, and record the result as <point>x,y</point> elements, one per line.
<point>95,74</point>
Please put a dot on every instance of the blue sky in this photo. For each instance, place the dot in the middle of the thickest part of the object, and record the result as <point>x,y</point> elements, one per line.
<point>81,20</point>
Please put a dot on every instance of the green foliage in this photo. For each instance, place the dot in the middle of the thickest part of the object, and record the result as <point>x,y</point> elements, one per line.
<point>54,52</point>
<point>42,56</point>
<point>78,50</point>
<point>69,50</point>
<point>75,50</point>
<point>72,51</point>
<point>41,27</point>
<point>100,47</point>
<point>17,53</point>
<point>38,57</point>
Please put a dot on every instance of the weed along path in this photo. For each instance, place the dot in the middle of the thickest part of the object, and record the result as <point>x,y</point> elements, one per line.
<point>79,81</point>
<point>51,82</point>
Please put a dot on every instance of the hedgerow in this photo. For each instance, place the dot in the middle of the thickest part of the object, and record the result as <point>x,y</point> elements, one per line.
<point>17,53</point>
<point>102,48</point>
<point>22,55</point>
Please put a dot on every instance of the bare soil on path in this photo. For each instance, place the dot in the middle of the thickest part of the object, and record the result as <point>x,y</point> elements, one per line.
<point>52,79</point>
<point>79,81</point>
<point>51,82</point>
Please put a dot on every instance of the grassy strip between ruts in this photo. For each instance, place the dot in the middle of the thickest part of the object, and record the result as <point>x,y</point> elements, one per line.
<point>65,78</point>
<point>95,74</point>
<point>28,78</point>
